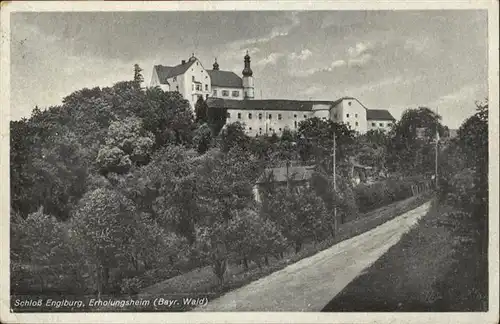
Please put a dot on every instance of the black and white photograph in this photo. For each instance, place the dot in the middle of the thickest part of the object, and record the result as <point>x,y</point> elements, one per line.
<point>311,162</point>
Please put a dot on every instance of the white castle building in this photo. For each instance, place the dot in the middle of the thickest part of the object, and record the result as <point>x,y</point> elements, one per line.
<point>225,89</point>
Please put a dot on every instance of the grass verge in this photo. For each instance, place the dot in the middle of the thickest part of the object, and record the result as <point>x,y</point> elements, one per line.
<point>414,275</point>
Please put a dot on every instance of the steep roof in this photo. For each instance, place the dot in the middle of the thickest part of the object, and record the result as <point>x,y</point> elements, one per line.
<point>165,72</point>
<point>296,173</point>
<point>225,79</point>
<point>264,104</point>
<point>378,114</point>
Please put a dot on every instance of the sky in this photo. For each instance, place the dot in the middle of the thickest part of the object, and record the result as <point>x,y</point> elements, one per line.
<point>391,60</point>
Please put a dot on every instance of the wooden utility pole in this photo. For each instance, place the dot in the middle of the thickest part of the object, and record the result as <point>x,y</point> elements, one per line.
<point>335,182</point>
<point>437,151</point>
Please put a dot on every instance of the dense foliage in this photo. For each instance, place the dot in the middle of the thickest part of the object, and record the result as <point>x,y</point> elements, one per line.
<point>121,187</point>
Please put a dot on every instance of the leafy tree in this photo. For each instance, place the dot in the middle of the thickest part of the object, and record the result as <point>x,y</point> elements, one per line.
<point>168,116</point>
<point>103,225</point>
<point>138,78</point>
<point>202,138</point>
<point>225,182</point>
<point>299,215</point>
<point>41,249</point>
<point>252,237</point>
<point>410,147</point>
<point>233,135</point>
<point>201,111</point>
<point>126,143</point>
<point>316,140</point>
<point>172,175</point>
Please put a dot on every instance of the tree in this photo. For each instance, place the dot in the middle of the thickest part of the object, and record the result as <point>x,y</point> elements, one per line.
<point>202,138</point>
<point>138,78</point>
<point>104,224</point>
<point>201,111</point>
<point>126,143</point>
<point>316,141</point>
<point>233,135</point>
<point>41,249</point>
<point>168,116</point>
<point>300,215</point>
<point>410,146</point>
<point>172,175</point>
<point>252,237</point>
<point>225,182</point>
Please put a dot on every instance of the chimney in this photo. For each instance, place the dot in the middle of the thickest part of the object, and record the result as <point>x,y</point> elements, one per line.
<point>183,62</point>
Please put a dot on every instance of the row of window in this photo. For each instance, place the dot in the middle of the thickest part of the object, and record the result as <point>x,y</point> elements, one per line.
<point>381,124</point>
<point>225,93</point>
<point>269,116</point>
<point>198,87</point>
<point>260,129</point>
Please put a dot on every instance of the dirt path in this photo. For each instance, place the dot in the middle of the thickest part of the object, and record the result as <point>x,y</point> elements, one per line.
<point>311,283</point>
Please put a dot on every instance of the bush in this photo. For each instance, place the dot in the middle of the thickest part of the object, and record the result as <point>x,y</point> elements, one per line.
<point>370,197</point>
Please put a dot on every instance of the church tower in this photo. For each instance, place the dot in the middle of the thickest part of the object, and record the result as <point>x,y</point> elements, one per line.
<point>216,65</point>
<point>248,86</point>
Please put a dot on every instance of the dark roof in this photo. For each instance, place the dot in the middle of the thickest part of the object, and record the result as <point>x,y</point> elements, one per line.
<point>225,79</point>
<point>296,173</point>
<point>378,114</point>
<point>165,72</point>
<point>264,104</point>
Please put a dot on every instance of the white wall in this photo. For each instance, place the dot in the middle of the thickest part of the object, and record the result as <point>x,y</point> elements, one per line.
<point>249,87</point>
<point>200,74</point>
<point>255,126</point>
<point>353,114</point>
<point>374,124</point>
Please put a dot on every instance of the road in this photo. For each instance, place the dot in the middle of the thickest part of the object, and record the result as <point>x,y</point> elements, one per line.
<point>311,283</point>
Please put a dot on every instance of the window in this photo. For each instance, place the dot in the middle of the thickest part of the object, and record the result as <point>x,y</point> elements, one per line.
<point>373,124</point>
<point>239,115</point>
<point>225,93</point>
<point>228,115</point>
<point>295,116</point>
<point>279,116</point>
<point>174,78</point>
<point>305,116</point>
<point>348,123</point>
<point>192,78</point>
<point>389,124</point>
<point>206,87</point>
<point>295,124</point>
<point>260,129</point>
<point>249,128</point>
<point>198,87</point>
<point>249,116</point>
<point>235,93</point>
<point>347,115</point>
<point>206,97</point>
<point>177,87</point>
<point>270,129</point>
<point>357,124</point>
<point>381,124</point>
<point>270,116</point>
<point>349,103</point>
<point>280,129</point>
<point>335,115</point>
<point>356,115</point>
<point>214,93</point>
<point>260,116</point>
<point>192,87</point>
<point>324,118</point>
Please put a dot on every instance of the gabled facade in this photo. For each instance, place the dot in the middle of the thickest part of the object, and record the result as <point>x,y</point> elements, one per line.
<point>193,81</point>
<point>379,119</point>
